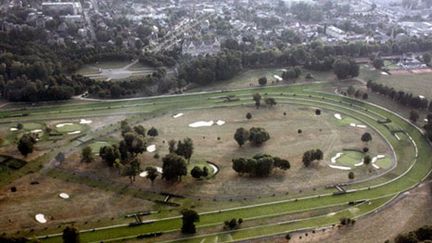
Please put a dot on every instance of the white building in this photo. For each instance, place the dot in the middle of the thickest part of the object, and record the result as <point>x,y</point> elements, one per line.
<point>335,32</point>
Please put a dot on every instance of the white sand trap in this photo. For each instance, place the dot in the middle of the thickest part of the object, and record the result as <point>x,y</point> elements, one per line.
<point>421,97</point>
<point>374,159</point>
<point>331,214</point>
<point>359,164</point>
<point>74,132</point>
<point>84,121</point>
<point>376,166</point>
<point>159,169</point>
<point>277,77</point>
<point>201,124</point>
<point>64,124</point>
<point>340,167</point>
<point>178,115</point>
<point>64,195</point>
<point>214,167</point>
<point>425,120</point>
<point>40,218</point>
<point>151,148</point>
<point>361,126</point>
<point>13,129</point>
<point>384,73</point>
<point>36,131</point>
<point>338,116</point>
<point>353,124</point>
<point>143,174</point>
<point>220,122</point>
<point>334,158</point>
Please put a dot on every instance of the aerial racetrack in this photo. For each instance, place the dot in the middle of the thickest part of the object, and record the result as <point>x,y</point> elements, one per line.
<point>407,164</point>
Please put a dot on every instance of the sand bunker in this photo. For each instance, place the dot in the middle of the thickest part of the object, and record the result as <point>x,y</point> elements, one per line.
<point>151,148</point>
<point>40,218</point>
<point>84,121</point>
<point>214,167</point>
<point>331,214</point>
<point>74,132</point>
<point>338,116</point>
<point>13,129</point>
<point>340,167</point>
<point>178,115</point>
<point>36,131</point>
<point>337,156</point>
<point>277,77</point>
<point>359,126</point>
<point>64,195</point>
<point>201,124</point>
<point>145,173</point>
<point>220,122</point>
<point>384,73</point>
<point>63,124</point>
<point>207,123</point>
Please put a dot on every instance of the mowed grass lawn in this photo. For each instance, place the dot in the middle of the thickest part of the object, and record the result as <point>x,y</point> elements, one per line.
<point>418,84</point>
<point>249,78</point>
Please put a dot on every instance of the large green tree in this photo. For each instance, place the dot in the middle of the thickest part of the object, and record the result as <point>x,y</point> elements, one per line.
<point>241,136</point>
<point>26,144</point>
<point>70,235</point>
<point>258,135</point>
<point>189,217</point>
<point>174,167</point>
<point>185,148</point>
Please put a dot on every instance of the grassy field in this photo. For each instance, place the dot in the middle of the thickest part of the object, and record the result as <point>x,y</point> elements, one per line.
<point>418,84</point>
<point>249,78</point>
<point>412,166</point>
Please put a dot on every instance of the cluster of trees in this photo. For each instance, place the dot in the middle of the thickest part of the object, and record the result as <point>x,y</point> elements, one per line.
<point>260,165</point>
<point>269,101</point>
<point>422,234</point>
<point>124,155</point>
<point>345,68</point>
<point>312,155</point>
<point>232,224</point>
<point>26,143</point>
<point>174,164</point>
<point>255,135</point>
<point>198,172</point>
<point>209,69</point>
<point>403,98</point>
<point>157,60</point>
<point>351,91</point>
<point>347,221</point>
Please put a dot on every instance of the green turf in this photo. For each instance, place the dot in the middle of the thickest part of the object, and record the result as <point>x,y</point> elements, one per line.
<point>350,158</point>
<point>96,146</point>
<point>384,163</point>
<point>69,128</point>
<point>32,126</point>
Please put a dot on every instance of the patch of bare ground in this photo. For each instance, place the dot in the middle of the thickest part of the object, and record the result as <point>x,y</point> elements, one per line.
<point>18,209</point>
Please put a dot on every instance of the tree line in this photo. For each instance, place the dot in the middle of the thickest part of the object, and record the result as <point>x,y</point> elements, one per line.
<point>401,97</point>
